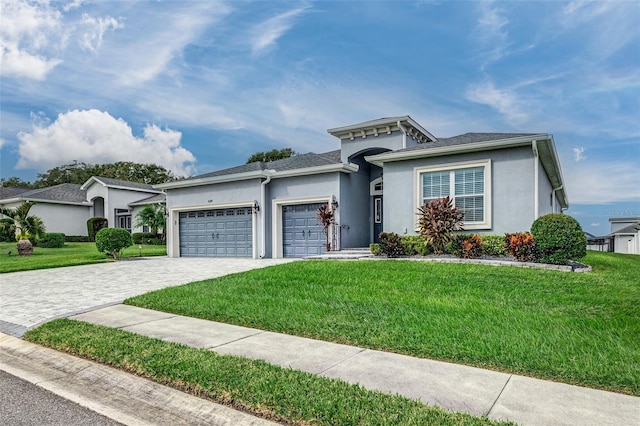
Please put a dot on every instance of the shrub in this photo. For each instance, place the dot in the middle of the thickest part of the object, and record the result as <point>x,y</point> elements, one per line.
<point>494,245</point>
<point>391,244</point>
<point>7,230</point>
<point>415,245</point>
<point>375,249</point>
<point>76,239</point>
<point>52,240</point>
<point>142,237</point>
<point>156,241</point>
<point>113,240</point>
<point>94,225</point>
<point>466,246</point>
<point>437,220</point>
<point>559,238</point>
<point>522,246</point>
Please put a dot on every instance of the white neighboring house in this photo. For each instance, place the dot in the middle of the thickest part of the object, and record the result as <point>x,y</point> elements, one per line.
<point>67,207</point>
<point>625,232</point>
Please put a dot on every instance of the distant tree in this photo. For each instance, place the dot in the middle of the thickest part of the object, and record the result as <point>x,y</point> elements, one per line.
<point>273,155</point>
<point>15,182</point>
<point>79,173</point>
<point>151,215</point>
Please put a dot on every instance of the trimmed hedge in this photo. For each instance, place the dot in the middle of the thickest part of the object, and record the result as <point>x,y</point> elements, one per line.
<point>391,244</point>
<point>141,237</point>
<point>94,225</point>
<point>559,238</point>
<point>76,239</point>
<point>52,240</point>
<point>494,245</point>
<point>113,240</point>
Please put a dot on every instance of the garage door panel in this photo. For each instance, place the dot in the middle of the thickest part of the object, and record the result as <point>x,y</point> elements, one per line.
<point>302,232</point>
<point>216,233</point>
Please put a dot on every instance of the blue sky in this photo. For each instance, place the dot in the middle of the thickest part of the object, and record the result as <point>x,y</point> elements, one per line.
<point>200,85</point>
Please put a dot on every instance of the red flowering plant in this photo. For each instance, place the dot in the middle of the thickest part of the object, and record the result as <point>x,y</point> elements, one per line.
<point>522,246</point>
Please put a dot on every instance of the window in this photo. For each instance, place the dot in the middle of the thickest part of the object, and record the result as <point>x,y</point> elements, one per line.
<point>467,184</point>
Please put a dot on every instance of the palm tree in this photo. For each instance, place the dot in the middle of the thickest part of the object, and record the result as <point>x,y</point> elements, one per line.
<point>23,225</point>
<point>152,215</point>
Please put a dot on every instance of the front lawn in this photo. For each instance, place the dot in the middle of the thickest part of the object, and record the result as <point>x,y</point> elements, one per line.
<point>70,255</point>
<point>570,327</point>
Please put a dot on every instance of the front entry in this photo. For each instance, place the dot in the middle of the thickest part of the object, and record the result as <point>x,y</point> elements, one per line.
<point>302,233</point>
<point>377,218</point>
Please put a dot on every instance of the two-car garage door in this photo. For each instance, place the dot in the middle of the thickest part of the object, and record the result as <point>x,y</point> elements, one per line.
<point>216,233</point>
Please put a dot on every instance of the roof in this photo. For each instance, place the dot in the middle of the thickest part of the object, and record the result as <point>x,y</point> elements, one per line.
<point>11,191</point>
<point>384,125</point>
<point>301,161</point>
<point>630,229</point>
<point>154,199</point>
<point>118,183</point>
<point>467,138</point>
<point>64,193</point>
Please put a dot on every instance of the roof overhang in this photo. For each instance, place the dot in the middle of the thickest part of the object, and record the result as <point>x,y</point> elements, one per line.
<point>259,174</point>
<point>43,201</point>
<point>544,143</point>
<point>382,126</point>
<point>93,179</point>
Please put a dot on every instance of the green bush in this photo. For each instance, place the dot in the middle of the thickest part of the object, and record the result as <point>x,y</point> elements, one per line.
<point>494,245</point>
<point>113,240</point>
<point>559,238</point>
<point>94,225</point>
<point>375,249</point>
<point>415,245</point>
<point>7,230</point>
<point>52,240</point>
<point>142,237</point>
<point>391,244</point>
<point>76,239</point>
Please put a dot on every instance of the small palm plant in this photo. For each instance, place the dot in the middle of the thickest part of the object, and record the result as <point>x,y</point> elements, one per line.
<point>152,215</point>
<point>23,225</point>
<point>327,218</point>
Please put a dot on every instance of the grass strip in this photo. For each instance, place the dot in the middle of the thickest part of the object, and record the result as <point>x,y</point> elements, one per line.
<point>575,328</point>
<point>285,395</point>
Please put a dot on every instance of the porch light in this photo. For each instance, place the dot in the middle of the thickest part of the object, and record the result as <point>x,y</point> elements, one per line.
<point>256,207</point>
<point>334,203</point>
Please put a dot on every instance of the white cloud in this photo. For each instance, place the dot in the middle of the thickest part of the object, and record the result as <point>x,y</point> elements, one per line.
<point>491,32</point>
<point>505,101</point>
<point>28,33</point>
<point>595,224</point>
<point>73,5</point>
<point>92,38</point>
<point>578,153</point>
<point>602,182</point>
<point>2,142</point>
<point>94,136</point>
<point>268,32</point>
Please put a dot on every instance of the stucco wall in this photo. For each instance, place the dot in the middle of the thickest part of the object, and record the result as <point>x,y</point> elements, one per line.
<point>544,194</point>
<point>115,199</point>
<point>393,142</point>
<point>355,208</point>
<point>512,187</point>
<point>65,218</point>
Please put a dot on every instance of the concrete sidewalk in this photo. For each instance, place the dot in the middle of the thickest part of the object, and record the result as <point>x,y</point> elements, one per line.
<point>501,396</point>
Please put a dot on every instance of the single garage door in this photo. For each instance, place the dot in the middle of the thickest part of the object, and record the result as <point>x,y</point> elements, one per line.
<point>216,233</point>
<point>302,233</point>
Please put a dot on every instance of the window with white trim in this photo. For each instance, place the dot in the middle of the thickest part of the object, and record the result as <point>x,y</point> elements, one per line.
<point>467,184</point>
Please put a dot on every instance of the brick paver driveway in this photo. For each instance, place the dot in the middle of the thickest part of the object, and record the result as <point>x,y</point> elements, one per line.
<point>30,298</point>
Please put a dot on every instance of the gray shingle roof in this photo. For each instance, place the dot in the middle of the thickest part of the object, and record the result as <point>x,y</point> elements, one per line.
<point>7,192</point>
<point>65,192</point>
<point>154,199</point>
<point>125,183</point>
<point>466,139</point>
<point>630,229</point>
<point>301,161</point>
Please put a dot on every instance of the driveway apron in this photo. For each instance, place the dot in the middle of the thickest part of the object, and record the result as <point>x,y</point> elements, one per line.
<point>30,298</point>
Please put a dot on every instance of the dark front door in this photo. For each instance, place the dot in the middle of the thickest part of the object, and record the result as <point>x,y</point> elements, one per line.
<point>377,218</point>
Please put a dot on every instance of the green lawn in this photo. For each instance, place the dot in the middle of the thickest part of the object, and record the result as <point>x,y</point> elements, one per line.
<point>280,394</point>
<point>70,255</point>
<point>576,328</point>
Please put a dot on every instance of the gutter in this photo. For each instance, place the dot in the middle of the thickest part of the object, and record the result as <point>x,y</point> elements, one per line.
<point>404,134</point>
<point>536,167</point>
<point>553,193</point>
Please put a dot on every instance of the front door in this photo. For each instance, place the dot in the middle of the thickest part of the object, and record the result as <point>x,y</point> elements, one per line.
<point>377,218</point>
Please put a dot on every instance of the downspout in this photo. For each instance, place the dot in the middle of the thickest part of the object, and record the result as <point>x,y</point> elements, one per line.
<point>404,134</point>
<point>536,166</point>
<point>263,218</point>
<point>553,192</point>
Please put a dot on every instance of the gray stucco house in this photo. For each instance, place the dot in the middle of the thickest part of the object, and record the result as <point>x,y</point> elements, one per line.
<point>375,182</point>
<point>625,233</point>
<point>67,207</point>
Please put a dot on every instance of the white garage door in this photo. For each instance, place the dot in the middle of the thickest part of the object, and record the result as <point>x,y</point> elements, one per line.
<point>216,233</point>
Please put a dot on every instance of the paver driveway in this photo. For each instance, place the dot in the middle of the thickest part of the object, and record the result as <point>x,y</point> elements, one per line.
<point>30,298</point>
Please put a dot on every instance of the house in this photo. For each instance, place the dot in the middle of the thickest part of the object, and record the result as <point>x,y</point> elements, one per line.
<point>67,207</point>
<point>384,170</point>
<point>625,233</point>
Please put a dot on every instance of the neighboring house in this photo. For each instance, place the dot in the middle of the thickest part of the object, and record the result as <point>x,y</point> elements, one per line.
<point>625,232</point>
<point>598,243</point>
<point>67,207</point>
<point>384,170</point>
